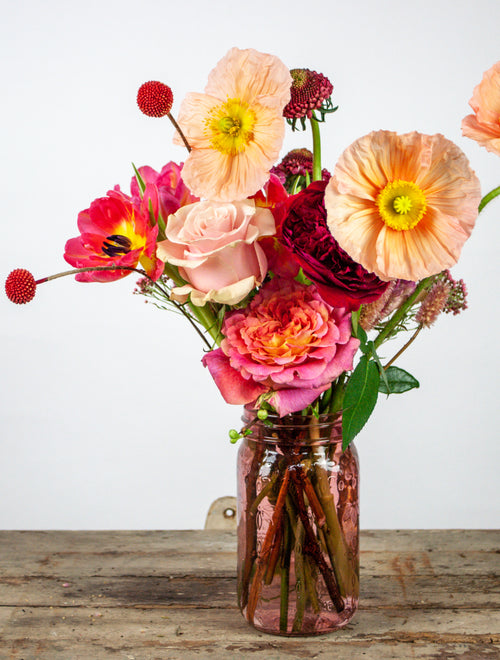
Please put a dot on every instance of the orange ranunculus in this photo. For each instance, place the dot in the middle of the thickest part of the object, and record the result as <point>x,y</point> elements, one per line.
<point>484,125</point>
<point>236,128</point>
<point>402,205</point>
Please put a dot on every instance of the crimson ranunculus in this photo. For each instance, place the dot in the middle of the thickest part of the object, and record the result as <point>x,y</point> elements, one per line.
<point>341,281</point>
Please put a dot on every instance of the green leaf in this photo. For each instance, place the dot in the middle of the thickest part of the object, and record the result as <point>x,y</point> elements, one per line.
<point>140,180</point>
<point>301,278</point>
<point>354,322</point>
<point>381,369</point>
<point>363,339</point>
<point>398,380</point>
<point>360,398</point>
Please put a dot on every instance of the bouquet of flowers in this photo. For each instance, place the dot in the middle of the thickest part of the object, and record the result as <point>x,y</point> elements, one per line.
<point>293,277</point>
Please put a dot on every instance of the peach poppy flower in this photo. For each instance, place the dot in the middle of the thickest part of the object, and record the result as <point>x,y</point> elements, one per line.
<point>484,125</point>
<point>402,205</point>
<point>236,128</point>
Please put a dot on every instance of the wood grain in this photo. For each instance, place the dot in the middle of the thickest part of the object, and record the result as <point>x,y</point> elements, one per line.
<point>172,594</point>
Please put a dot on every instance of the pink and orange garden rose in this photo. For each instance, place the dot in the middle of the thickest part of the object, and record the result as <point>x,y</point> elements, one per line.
<point>484,125</point>
<point>287,344</point>
<point>236,128</point>
<point>402,206</point>
<point>114,231</point>
<point>215,247</point>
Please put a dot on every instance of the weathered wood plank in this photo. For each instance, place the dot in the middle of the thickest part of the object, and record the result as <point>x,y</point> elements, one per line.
<point>201,553</point>
<point>177,649</point>
<point>69,565</point>
<point>442,592</point>
<point>415,540</point>
<point>206,626</point>
<point>188,541</point>
<point>147,595</point>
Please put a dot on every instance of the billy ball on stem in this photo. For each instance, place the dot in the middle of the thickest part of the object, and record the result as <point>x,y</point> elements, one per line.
<point>20,285</point>
<point>155,99</point>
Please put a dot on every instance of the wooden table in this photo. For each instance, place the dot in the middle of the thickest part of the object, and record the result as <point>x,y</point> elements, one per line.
<point>161,595</point>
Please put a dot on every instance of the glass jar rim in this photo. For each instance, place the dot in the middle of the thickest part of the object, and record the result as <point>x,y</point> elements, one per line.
<point>294,429</point>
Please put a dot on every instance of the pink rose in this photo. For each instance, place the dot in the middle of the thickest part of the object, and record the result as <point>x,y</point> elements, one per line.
<point>287,342</point>
<point>214,245</point>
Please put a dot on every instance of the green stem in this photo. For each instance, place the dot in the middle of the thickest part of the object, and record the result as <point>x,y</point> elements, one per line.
<point>204,315</point>
<point>334,537</point>
<point>403,349</point>
<point>285,571</point>
<point>338,396</point>
<point>316,174</point>
<point>295,185</point>
<point>311,581</point>
<point>487,198</point>
<point>300,586</point>
<point>207,319</point>
<point>401,312</point>
<point>263,493</point>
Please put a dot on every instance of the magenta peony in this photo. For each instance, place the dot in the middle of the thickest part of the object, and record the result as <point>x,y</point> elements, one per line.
<point>341,281</point>
<point>214,245</point>
<point>288,343</point>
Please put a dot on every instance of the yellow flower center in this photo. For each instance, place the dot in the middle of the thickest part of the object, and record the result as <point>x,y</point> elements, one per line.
<point>124,240</point>
<point>401,205</point>
<point>230,126</point>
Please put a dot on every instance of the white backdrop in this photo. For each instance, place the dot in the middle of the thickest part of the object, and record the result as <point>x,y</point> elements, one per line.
<point>107,418</point>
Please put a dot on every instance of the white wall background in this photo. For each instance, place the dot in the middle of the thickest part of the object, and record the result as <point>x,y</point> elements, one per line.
<point>107,418</point>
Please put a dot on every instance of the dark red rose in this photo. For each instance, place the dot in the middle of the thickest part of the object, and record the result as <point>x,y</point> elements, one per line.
<point>303,230</point>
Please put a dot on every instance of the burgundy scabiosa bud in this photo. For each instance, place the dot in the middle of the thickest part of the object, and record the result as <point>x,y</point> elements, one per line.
<point>155,99</point>
<point>310,91</point>
<point>295,170</point>
<point>20,286</point>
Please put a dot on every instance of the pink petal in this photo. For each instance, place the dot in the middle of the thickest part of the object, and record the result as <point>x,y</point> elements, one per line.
<point>292,400</point>
<point>233,387</point>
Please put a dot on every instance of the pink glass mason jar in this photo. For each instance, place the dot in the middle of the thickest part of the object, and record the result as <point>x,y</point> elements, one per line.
<point>298,522</point>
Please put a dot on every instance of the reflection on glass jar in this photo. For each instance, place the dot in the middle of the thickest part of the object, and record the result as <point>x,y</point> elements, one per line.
<point>298,552</point>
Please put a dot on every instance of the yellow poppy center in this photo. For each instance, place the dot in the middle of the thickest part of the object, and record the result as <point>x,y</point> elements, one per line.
<point>230,126</point>
<point>401,205</point>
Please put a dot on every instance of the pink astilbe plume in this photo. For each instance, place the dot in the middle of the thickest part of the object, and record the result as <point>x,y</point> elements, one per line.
<point>457,300</point>
<point>433,304</point>
<point>393,297</point>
